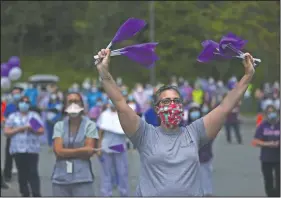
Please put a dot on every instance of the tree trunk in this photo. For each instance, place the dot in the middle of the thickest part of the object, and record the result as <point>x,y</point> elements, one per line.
<point>21,40</point>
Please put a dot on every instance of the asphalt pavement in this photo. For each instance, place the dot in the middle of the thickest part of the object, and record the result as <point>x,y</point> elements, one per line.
<point>236,168</point>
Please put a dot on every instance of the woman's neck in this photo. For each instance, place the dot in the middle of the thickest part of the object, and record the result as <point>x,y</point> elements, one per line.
<point>170,130</point>
<point>23,113</point>
<point>75,121</point>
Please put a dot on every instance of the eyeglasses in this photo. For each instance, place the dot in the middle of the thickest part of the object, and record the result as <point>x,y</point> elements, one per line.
<point>74,101</point>
<point>167,101</point>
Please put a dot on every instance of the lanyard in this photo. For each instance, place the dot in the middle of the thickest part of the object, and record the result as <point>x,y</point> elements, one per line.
<point>70,145</point>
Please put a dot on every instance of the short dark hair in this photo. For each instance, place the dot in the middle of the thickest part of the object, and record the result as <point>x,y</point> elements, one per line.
<point>162,89</point>
<point>272,106</point>
<point>23,98</point>
<point>17,88</point>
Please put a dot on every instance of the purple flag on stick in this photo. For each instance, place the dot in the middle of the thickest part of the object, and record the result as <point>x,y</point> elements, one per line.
<point>35,125</point>
<point>141,53</point>
<point>231,45</point>
<point>143,56</point>
<point>151,46</point>
<point>118,148</point>
<point>129,29</point>
<point>210,52</point>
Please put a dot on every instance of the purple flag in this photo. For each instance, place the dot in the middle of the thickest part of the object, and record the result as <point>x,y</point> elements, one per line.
<point>151,46</point>
<point>35,125</point>
<point>118,148</point>
<point>129,29</point>
<point>140,53</point>
<point>210,52</point>
<point>231,45</point>
<point>143,56</point>
<point>148,46</point>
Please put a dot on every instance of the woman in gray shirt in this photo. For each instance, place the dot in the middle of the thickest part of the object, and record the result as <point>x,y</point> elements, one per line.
<point>169,154</point>
<point>74,140</point>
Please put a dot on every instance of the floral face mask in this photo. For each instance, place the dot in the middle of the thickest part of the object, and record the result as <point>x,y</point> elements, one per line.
<point>171,115</point>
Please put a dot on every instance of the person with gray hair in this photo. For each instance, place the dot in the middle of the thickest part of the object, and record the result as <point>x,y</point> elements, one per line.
<point>169,154</point>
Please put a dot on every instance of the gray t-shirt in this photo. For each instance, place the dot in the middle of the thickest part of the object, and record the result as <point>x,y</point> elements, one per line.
<point>169,160</point>
<point>91,130</point>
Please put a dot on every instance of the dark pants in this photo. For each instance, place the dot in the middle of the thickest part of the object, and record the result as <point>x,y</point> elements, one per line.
<point>50,129</point>
<point>271,176</point>
<point>8,160</point>
<point>236,128</point>
<point>27,165</point>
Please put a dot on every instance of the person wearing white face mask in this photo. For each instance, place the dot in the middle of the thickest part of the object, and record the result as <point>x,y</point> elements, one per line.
<point>74,143</point>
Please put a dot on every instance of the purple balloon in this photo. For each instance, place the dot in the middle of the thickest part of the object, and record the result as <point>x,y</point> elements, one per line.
<point>5,69</point>
<point>14,61</point>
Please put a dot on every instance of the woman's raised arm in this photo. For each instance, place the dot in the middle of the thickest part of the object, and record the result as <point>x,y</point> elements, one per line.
<point>129,120</point>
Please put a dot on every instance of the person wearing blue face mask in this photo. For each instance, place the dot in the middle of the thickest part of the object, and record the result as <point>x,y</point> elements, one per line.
<point>267,137</point>
<point>25,146</point>
<point>32,93</point>
<point>92,96</point>
<point>11,108</point>
<point>205,109</point>
<point>95,111</point>
<point>150,116</point>
<point>205,152</point>
<point>53,114</point>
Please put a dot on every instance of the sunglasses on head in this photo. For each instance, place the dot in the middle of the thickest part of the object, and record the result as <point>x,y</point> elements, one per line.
<point>167,101</point>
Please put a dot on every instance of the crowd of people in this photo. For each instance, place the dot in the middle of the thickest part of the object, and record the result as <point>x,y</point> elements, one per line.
<point>99,127</point>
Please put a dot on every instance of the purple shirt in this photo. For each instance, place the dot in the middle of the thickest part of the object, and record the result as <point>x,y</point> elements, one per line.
<point>205,153</point>
<point>269,132</point>
<point>232,117</point>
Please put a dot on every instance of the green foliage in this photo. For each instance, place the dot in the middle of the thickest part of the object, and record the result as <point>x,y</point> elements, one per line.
<point>60,37</point>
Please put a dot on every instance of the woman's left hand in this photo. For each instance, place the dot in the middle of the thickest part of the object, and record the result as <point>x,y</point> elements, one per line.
<point>248,63</point>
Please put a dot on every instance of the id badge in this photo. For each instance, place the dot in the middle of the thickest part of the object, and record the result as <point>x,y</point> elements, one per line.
<point>69,167</point>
